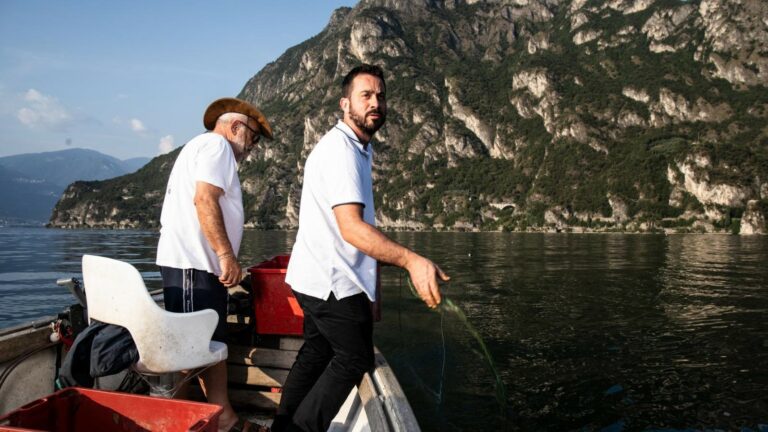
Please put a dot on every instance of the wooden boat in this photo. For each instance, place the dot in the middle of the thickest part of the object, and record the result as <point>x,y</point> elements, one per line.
<point>258,366</point>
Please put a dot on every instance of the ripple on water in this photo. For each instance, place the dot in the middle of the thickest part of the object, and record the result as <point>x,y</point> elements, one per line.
<point>588,332</point>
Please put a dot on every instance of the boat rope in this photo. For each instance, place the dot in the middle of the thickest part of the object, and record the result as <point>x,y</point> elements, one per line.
<point>400,307</point>
<point>13,364</point>
<point>422,385</point>
<point>447,305</point>
<point>131,383</point>
<point>442,368</point>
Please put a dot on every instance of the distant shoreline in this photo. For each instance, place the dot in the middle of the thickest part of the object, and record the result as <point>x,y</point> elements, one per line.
<point>385,229</point>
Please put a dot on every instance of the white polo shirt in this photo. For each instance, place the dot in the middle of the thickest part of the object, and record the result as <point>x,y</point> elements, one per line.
<point>337,171</point>
<point>208,158</point>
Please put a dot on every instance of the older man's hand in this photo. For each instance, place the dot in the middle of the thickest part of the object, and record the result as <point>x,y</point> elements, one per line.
<point>231,272</point>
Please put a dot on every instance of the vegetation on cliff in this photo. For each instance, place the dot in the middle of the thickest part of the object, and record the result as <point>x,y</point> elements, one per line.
<point>636,115</point>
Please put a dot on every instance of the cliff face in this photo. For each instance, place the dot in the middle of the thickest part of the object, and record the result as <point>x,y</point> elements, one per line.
<point>131,201</point>
<point>530,115</point>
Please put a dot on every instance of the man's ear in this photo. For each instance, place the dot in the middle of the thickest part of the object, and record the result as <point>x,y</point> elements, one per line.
<point>344,104</point>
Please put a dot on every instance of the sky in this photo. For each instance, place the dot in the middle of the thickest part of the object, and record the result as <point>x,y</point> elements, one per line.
<point>133,78</point>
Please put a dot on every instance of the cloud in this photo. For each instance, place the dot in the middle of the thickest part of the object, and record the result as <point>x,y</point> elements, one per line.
<point>166,144</point>
<point>41,110</point>
<point>137,126</point>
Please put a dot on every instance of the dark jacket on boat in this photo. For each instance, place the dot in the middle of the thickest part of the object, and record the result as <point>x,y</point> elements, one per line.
<point>100,350</point>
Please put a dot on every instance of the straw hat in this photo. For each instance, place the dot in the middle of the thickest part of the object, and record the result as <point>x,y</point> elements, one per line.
<point>226,105</point>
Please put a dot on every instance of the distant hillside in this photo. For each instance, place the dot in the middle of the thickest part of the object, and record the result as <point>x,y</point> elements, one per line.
<point>31,184</point>
<point>545,115</point>
<point>25,200</point>
<point>65,166</point>
<point>128,201</point>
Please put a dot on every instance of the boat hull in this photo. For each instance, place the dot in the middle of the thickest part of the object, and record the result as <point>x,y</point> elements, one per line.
<point>30,354</point>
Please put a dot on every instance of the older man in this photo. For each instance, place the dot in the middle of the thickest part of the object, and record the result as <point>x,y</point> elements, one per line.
<point>333,267</point>
<point>202,225</point>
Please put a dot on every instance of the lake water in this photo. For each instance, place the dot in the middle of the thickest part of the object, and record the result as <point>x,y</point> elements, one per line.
<point>587,332</point>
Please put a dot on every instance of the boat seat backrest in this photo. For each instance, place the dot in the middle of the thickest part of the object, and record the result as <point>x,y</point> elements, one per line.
<point>166,341</point>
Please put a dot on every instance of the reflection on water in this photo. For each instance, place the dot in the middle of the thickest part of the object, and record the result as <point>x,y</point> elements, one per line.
<point>32,259</point>
<point>589,332</point>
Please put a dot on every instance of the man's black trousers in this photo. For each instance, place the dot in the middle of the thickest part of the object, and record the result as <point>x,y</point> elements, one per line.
<point>337,351</point>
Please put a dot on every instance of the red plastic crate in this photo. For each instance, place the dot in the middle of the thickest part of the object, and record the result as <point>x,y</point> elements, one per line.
<point>76,409</point>
<point>276,310</point>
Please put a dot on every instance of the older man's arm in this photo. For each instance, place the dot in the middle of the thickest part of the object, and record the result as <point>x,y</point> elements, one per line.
<point>212,224</point>
<point>372,242</point>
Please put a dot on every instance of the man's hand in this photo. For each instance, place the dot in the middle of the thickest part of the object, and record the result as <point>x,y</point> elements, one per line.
<point>424,275</point>
<point>231,273</point>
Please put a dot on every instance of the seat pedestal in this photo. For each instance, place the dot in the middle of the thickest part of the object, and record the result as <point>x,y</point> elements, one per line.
<point>163,385</point>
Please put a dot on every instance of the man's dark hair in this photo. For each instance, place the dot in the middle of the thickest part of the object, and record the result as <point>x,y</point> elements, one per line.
<point>357,70</point>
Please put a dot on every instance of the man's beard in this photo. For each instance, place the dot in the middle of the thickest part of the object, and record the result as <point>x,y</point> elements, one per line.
<point>370,126</point>
<point>242,151</point>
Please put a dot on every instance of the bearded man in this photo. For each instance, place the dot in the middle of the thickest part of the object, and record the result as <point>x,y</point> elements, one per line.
<point>333,266</point>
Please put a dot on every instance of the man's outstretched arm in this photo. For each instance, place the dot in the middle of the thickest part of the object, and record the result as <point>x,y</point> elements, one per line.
<point>372,242</point>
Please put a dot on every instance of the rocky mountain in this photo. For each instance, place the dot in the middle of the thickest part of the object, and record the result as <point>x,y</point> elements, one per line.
<point>582,115</point>
<point>32,183</point>
<point>129,201</point>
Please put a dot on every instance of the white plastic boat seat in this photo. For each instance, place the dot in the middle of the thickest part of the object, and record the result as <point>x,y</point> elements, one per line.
<point>166,341</point>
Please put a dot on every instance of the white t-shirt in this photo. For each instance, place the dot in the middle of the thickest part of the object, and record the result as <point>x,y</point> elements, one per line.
<point>208,158</point>
<point>338,171</point>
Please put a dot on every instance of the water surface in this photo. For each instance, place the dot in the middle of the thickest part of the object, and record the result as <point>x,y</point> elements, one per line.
<point>588,332</point>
